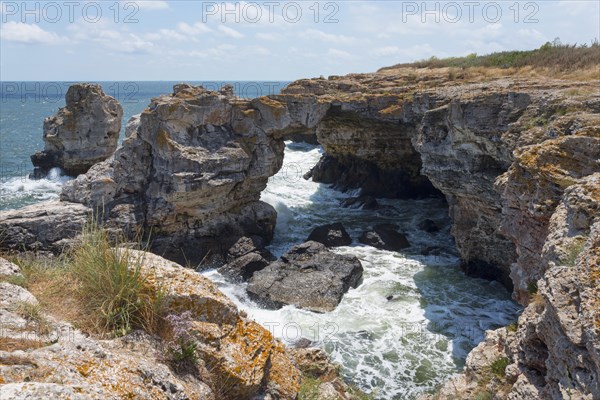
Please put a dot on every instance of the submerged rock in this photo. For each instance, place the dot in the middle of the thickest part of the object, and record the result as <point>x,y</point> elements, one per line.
<point>308,276</point>
<point>429,226</point>
<point>385,237</point>
<point>331,235</point>
<point>83,133</point>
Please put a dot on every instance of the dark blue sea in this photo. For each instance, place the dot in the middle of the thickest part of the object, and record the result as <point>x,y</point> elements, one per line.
<point>24,105</point>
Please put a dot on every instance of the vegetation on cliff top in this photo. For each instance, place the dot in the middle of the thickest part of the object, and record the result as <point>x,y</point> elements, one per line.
<point>554,56</point>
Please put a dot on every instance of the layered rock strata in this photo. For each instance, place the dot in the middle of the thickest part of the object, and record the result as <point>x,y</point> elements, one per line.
<point>81,134</point>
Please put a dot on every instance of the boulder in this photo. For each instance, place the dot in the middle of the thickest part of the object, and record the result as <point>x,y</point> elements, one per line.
<point>331,235</point>
<point>308,276</point>
<point>81,134</point>
<point>246,257</point>
<point>385,237</point>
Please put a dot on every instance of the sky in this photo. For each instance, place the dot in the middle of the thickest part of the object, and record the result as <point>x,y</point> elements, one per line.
<point>273,40</point>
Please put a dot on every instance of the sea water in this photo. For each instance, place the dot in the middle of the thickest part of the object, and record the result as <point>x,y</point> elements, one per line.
<point>411,322</point>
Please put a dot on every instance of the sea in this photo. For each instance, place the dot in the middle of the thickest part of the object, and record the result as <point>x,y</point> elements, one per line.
<point>402,332</point>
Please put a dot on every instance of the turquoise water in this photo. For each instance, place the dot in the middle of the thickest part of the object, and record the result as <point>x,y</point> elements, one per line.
<point>24,105</point>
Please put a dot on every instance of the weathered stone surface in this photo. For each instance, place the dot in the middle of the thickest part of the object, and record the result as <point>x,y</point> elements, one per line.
<point>81,134</point>
<point>554,352</point>
<point>190,172</point>
<point>385,237</point>
<point>308,276</point>
<point>51,225</point>
<point>7,268</point>
<point>245,257</point>
<point>331,235</point>
<point>238,359</point>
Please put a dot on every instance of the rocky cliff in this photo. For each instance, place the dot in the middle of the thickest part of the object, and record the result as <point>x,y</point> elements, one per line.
<point>188,177</point>
<point>81,134</point>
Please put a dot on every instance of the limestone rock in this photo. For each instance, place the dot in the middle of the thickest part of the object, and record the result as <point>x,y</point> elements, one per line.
<point>331,235</point>
<point>51,225</point>
<point>308,276</point>
<point>190,173</point>
<point>244,356</point>
<point>81,134</point>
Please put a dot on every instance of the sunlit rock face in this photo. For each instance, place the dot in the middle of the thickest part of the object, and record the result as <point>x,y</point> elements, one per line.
<point>81,134</point>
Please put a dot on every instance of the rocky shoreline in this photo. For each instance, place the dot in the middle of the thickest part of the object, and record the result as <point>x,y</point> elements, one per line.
<point>516,159</point>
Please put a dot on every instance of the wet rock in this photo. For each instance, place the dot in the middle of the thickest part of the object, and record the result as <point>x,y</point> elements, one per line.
<point>385,237</point>
<point>429,226</point>
<point>246,257</point>
<point>308,276</point>
<point>431,250</point>
<point>81,134</point>
<point>362,202</point>
<point>331,235</point>
<point>244,267</point>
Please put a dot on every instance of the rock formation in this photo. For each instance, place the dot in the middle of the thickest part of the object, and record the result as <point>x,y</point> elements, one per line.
<point>188,176</point>
<point>331,235</point>
<point>237,358</point>
<point>81,134</point>
<point>308,276</point>
<point>386,237</point>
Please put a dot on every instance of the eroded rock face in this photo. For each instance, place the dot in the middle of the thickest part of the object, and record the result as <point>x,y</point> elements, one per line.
<point>237,358</point>
<point>81,134</point>
<point>553,352</point>
<point>189,174</point>
<point>308,276</point>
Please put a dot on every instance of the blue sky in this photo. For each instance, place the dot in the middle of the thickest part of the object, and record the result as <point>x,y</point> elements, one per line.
<point>195,40</point>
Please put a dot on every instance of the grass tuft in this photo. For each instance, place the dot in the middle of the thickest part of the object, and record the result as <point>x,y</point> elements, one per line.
<point>111,289</point>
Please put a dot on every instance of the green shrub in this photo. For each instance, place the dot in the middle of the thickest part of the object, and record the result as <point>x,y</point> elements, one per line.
<point>572,252</point>
<point>532,288</point>
<point>498,367</point>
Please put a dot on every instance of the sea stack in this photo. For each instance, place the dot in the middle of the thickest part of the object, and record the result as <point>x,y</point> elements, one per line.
<point>83,133</point>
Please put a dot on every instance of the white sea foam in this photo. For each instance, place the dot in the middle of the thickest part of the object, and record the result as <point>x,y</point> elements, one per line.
<point>16,192</point>
<point>399,347</point>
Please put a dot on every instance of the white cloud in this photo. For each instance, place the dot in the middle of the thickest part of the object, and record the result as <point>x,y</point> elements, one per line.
<point>337,53</point>
<point>230,32</point>
<point>150,4</point>
<point>272,37</point>
<point>411,53</point>
<point>166,34</point>
<point>28,33</point>
<point>193,30</point>
<point>328,37</point>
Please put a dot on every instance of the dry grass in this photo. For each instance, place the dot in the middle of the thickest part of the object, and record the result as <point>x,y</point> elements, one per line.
<point>95,288</point>
<point>9,344</point>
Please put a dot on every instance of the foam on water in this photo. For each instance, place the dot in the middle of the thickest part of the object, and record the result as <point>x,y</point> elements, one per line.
<point>17,192</point>
<point>397,348</point>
